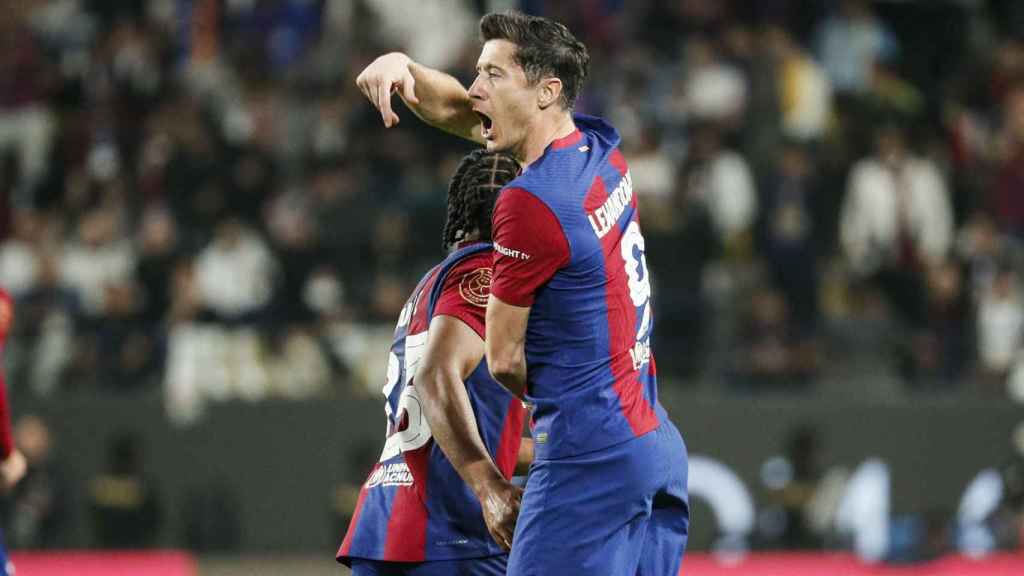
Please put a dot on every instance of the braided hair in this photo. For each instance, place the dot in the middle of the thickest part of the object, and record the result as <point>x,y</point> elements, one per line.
<point>473,190</point>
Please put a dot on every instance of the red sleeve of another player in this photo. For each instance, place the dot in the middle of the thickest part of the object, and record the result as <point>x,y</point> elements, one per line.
<point>529,246</point>
<point>465,292</point>
<point>6,316</point>
<point>6,440</point>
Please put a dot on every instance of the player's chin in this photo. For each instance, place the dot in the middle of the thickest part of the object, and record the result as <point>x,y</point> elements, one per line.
<point>494,144</point>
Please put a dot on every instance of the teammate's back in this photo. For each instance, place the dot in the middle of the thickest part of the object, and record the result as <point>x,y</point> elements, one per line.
<point>413,507</point>
<point>453,433</point>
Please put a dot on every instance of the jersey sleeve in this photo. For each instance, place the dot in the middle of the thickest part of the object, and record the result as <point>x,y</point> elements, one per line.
<point>465,292</point>
<point>529,246</point>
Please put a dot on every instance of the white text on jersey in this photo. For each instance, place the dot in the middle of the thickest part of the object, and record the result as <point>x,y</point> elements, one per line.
<point>604,218</point>
<point>519,254</point>
<point>397,474</point>
<point>640,353</point>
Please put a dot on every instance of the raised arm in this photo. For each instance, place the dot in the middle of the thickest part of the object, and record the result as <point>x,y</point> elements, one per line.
<point>453,351</point>
<point>435,97</point>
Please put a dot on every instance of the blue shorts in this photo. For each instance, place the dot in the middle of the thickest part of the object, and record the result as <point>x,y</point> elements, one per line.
<point>620,511</point>
<point>490,566</point>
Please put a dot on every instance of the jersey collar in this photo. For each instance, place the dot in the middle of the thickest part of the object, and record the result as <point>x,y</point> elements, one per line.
<point>566,141</point>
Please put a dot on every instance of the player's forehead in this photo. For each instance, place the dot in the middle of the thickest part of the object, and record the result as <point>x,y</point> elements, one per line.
<point>497,53</point>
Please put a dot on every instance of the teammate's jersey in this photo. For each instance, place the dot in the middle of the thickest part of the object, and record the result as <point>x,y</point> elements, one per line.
<point>414,506</point>
<point>567,242</point>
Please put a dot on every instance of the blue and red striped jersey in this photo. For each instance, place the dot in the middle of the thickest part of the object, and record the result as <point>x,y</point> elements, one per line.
<point>567,243</point>
<point>414,507</point>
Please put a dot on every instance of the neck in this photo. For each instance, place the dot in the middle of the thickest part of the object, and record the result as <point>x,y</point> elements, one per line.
<point>542,131</point>
<point>469,239</point>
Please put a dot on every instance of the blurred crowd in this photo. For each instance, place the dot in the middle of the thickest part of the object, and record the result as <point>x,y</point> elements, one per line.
<point>196,197</point>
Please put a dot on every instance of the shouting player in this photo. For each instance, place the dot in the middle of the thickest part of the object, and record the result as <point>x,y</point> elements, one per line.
<point>12,465</point>
<point>569,319</point>
<point>453,432</point>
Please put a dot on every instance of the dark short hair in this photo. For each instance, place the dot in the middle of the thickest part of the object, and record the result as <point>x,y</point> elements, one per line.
<point>544,48</point>
<point>472,193</point>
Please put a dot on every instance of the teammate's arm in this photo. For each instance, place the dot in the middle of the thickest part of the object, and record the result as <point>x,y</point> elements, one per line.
<point>12,465</point>
<point>435,97</point>
<point>525,456</point>
<point>506,338</point>
<point>453,351</point>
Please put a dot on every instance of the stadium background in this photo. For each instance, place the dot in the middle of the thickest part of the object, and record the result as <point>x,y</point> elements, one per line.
<point>208,235</point>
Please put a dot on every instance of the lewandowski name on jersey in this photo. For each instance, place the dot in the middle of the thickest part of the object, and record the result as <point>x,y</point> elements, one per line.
<point>607,215</point>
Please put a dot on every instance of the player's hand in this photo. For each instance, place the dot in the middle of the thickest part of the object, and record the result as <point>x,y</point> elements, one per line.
<point>501,509</point>
<point>12,470</point>
<point>381,78</point>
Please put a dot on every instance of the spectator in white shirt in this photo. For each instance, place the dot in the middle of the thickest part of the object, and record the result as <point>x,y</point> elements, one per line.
<point>896,221</point>
<point>1000,326</point>
<point>19,257</point>
<point>235,273</point>
<point>718,181</point>
<point>897,210</point>
<point>98,260</point>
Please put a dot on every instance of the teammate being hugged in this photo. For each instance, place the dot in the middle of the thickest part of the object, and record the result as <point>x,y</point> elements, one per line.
<point>12,463</point>
<point>569,320</point>
<point>454,434</point>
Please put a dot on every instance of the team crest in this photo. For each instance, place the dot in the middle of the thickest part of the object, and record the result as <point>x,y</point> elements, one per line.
<point>476,287</point>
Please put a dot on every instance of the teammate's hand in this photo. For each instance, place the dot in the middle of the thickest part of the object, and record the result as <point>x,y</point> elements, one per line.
<point>12,470</point>
<point>501,509</point>
<point>381,78</point>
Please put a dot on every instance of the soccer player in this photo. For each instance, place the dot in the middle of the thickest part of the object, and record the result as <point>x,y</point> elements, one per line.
<point>453,432</point>
<point>12,462</point>
<point>569,319</point>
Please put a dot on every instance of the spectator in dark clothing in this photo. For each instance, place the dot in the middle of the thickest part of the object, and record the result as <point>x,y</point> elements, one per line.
<point>792,492</point>
<point>158,254</point>
<point>790,231</point>
<point>193,189</point>
<point>296,246</point>
<point>124,501</point>
<point>26,125</point>
<point>771,352</point>
<point>38,509</point>
<point>941,351</point>
<point>1008,193</point>
<point>249,185</point>
<point>344,217</point>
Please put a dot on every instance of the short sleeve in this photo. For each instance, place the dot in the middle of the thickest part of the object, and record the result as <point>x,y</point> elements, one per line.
<point>529,246</point>
<point>465,292</point>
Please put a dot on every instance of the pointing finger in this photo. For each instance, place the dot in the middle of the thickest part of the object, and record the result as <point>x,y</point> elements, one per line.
<point>409,88</point>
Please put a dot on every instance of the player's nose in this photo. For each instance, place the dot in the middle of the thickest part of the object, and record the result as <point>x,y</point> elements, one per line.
<point>476,90</point>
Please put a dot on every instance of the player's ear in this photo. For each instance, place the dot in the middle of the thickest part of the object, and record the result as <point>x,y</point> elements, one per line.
<point>549,90</point>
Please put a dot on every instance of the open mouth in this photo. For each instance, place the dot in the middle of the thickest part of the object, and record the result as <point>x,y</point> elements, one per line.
<point>486,124</point>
